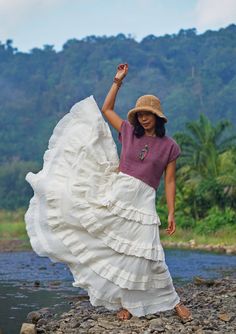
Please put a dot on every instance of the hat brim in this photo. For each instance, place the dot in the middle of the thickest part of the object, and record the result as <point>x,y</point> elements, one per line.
<point>132,112</point>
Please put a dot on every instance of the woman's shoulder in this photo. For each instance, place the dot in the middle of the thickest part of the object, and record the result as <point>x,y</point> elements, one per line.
<point>126,126</point>
<point>173,148</point>
<point>170,145</point>
<point>170,140</point>
<point>126,130</point>
<point>127,123</point>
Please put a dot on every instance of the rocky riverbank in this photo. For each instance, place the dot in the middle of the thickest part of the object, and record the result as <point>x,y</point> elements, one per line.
<point>14,245</point>
<point>192,244</point>
<point>212,303</point>
<point>21,245</point>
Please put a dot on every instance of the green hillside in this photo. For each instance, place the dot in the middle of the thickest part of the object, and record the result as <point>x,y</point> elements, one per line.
<point>192,74</point>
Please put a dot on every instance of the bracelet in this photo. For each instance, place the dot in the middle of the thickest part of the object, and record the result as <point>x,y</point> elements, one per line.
<point>118,81</point>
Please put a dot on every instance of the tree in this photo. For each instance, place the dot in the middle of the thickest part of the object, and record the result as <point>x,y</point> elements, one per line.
<point>202,143</point>
<point>202,173</point>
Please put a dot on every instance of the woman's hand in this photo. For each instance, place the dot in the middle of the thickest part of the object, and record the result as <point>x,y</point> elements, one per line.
<point>122,70</point>
<point>171,224</point>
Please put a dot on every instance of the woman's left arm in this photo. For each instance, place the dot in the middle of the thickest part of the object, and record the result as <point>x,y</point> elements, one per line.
<point>170,189</point>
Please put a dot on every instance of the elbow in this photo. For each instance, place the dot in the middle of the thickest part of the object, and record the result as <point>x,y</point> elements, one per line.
<point>103,110</point>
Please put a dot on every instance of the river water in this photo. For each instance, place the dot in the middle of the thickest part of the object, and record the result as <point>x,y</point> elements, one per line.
<point>20,270</point>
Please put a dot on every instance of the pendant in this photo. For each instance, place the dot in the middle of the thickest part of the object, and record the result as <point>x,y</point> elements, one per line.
<point>143,153</point>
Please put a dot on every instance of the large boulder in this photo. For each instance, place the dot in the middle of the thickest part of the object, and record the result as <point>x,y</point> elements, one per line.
<point>28,329</point>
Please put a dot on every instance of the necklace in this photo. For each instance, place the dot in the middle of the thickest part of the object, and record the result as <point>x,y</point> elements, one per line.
<point>143,153</point>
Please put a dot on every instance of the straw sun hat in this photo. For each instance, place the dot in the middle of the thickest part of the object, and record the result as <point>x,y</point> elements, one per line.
<point>146,103</point>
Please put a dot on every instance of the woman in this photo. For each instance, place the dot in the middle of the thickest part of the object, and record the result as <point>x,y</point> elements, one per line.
<point>148,120</point>
<point>97,214</point>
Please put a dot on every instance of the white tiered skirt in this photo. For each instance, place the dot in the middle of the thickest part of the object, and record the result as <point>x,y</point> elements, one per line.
<point>101,222</point>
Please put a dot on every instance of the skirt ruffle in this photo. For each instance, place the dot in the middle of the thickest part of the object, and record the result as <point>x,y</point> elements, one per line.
<point>101,222</point>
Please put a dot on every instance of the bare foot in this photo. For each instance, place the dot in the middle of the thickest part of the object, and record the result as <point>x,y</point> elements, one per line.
<point>183,312</point>
<point>124,314</point>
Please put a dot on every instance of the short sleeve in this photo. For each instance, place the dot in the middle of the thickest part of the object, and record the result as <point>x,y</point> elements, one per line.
<point>174,152</point>
<point>125,130</point>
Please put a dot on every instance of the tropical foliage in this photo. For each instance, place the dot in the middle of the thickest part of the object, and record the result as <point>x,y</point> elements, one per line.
<point>206,183</point>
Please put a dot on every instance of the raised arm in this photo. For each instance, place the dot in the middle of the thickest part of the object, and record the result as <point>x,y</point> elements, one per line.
<point>108,106</point>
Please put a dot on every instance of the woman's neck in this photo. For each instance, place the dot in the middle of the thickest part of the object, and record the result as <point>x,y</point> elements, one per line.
<point>150,133</point>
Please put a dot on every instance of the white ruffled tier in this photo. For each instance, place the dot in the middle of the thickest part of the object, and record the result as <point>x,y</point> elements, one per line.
<point>101,222</point>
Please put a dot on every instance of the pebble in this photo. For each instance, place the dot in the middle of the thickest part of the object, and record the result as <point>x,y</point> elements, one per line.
<point>36,283</point>
<point>211,314</point>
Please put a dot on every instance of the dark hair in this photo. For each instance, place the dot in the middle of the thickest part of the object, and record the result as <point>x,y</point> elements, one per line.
<point>159,129</point>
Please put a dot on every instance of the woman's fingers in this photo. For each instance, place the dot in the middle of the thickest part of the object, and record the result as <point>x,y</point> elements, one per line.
<point>171,227</point>
<point>122,67</point>
<point>122,70</point>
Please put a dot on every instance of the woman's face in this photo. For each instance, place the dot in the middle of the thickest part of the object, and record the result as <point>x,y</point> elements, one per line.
<point>147,119</point>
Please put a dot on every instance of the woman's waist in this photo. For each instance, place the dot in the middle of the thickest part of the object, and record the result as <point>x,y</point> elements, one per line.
<point>142,176</point>
<point>130,189</point>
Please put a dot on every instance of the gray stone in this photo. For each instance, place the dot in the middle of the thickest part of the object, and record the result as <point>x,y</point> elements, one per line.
<point>137,322</point>
<point>105,324</point>
<point>41,331</point>
<point>160,329</point>
<point>155,323</point>
<point>34,317</point>
<point>95,330</point>
<point>42,322</point>
<point>75,324</point>
<point>55,283</point>
<point>148,331</point>
<point>46,312</point>
<point>88,324</point>
<point>169,327</point>
<point>36,283</point>
<point>150,316</point>
<point>82,331</point>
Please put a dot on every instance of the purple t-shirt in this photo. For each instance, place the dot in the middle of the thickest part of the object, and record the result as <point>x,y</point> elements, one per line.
<point>160,152</point>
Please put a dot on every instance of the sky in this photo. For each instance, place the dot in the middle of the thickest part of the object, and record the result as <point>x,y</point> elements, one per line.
<point>34,23</point>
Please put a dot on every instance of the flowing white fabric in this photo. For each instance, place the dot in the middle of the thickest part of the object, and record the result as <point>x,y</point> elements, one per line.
<point>100,222</point>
